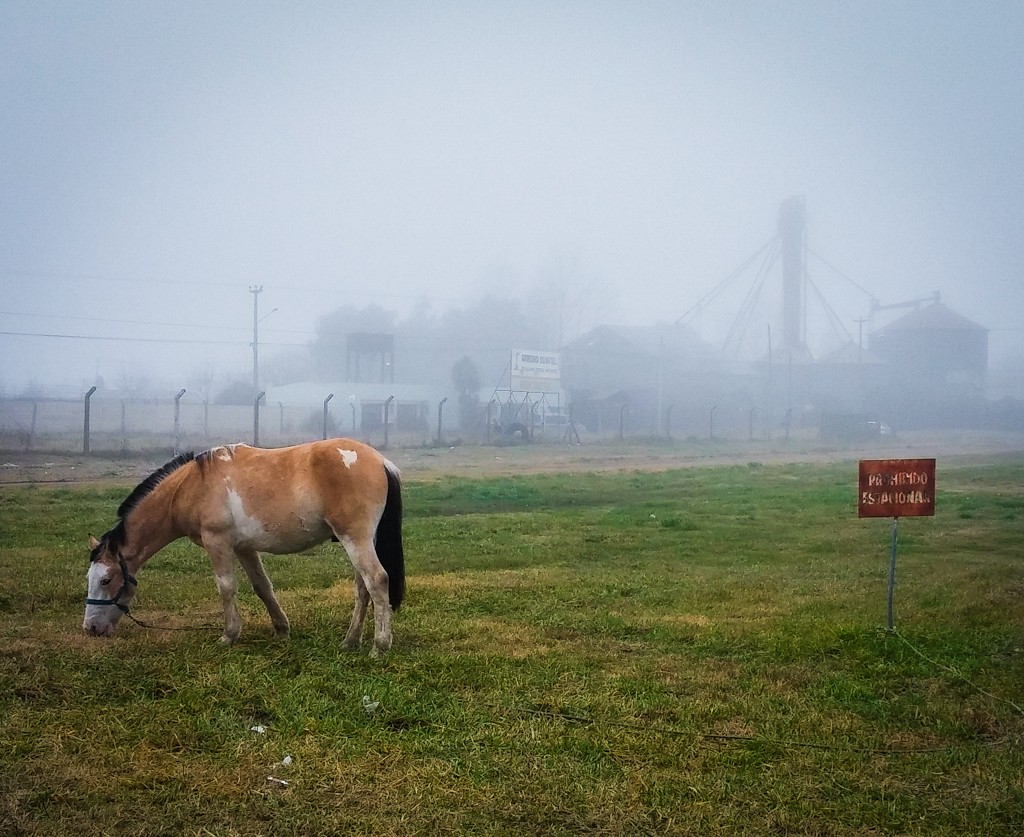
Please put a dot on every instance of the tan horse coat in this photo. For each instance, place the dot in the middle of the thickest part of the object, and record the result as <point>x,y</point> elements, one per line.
<point>237,501</point>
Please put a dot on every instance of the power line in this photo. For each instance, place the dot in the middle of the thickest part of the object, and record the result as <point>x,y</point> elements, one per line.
<point>133,280</point>
<point>334,340</point>
<point>121,339</point>
<point>148,323</point>
<point>338,289</point>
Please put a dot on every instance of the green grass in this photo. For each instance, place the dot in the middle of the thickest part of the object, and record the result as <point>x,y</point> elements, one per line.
<point>688,652</point>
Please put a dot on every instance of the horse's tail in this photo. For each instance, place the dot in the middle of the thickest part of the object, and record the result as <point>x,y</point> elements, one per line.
<point>388,540</point>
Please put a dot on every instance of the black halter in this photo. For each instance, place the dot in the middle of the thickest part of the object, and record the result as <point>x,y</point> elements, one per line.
<point>126,579</point>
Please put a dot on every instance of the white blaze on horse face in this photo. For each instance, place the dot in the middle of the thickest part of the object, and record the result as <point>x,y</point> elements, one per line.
<point>98,573</point>
<point>349,457</point>
<point>247,526</point>
<point>100,620</point>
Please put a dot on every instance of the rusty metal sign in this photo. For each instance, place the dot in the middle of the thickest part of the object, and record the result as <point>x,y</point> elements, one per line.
<point>896,488</point>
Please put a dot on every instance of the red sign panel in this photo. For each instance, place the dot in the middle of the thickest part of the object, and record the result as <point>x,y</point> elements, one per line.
<point>896,488</point>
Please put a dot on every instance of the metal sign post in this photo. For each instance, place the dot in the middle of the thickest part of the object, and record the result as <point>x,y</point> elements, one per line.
<point>895,488</point>
<point>892,573</point>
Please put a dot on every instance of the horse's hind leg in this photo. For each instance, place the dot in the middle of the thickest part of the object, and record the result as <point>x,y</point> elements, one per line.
<point>361,597</point>
<point>253,566</point>
<point>375,581</point>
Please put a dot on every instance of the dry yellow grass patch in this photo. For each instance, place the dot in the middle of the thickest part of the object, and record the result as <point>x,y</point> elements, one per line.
<point>512,639</point>
<point>696,619</point>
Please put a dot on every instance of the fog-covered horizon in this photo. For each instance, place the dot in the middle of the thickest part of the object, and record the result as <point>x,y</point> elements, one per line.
<point>162,160</point>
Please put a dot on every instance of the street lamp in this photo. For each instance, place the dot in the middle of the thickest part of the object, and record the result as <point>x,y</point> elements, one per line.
<point>256,290</point>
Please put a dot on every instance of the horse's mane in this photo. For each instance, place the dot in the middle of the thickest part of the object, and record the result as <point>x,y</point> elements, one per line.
<point>152,481</point>
<point>116,536</point>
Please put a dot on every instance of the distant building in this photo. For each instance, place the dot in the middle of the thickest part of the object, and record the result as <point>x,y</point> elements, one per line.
<point>936,368</point>
<point>937,345</point>
<point>926,369</point>
<point>642,376</point>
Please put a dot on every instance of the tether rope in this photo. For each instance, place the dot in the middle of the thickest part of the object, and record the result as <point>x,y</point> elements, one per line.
<point>151,626</point>
<point>781,742</point>
<point>956,673</point>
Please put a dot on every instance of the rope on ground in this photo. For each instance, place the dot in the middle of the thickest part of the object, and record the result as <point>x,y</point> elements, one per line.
<point>780,742</point>
<point>153,627</point>
<point>955,673</point>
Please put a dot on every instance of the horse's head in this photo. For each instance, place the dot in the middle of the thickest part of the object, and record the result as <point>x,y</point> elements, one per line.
<point>110,586</point>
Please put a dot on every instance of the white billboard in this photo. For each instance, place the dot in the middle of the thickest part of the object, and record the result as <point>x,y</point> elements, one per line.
<point>534,369</point>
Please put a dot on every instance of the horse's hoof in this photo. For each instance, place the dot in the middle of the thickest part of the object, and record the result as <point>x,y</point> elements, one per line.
<point>227,641</point>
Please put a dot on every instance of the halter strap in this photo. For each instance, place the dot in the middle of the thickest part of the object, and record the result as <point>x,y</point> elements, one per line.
<point>127,578</point>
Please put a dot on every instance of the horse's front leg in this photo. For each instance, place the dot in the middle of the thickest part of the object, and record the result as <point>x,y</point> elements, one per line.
<point>253,566</point>
<point>224,571</point>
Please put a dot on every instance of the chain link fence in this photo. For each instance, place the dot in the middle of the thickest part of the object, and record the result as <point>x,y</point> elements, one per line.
<point>119,426</point>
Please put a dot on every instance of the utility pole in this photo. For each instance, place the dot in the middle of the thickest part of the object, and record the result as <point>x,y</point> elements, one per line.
<point>794,271</point>
<point>860,338</point>
<point>255,290</point>
<point>860,361</point>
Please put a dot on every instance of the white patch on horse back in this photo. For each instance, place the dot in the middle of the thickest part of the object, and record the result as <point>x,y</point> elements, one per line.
<point>225,453</point>
<point>349,457</point>
<point>246,526</point>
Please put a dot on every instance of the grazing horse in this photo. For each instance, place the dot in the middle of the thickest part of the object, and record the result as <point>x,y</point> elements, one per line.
<point>237,501</point>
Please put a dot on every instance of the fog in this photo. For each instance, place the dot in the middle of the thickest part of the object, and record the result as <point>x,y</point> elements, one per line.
<point>159,160</point>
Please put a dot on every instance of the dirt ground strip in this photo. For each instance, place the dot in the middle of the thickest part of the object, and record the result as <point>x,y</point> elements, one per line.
<point>419,463</point>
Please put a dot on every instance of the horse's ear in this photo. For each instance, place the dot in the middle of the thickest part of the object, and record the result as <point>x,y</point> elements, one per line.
<point>93,543</point>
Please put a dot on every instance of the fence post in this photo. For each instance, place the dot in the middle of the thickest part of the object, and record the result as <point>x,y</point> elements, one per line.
<point>85,428</point>
<point>328,398</point>
<point>711,423</point>
<point>177,423</point>
<point>622,419</point>
<point>256,419</point>
<point>32,429</point>
<point>440,407</point>
<point>668,421</point>
<point>387,409</point>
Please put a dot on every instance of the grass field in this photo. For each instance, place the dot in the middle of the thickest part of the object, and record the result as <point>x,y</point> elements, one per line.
<point>696,651</point>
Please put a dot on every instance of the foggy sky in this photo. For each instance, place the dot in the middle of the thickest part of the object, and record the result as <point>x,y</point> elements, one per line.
<point>159,159</point>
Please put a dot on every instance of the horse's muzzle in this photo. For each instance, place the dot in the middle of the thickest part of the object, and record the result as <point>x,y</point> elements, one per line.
<point>99,628</point>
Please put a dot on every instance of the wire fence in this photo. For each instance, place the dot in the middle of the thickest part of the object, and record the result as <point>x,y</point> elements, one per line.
<point>104,425</point>
<point>124,425</point>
